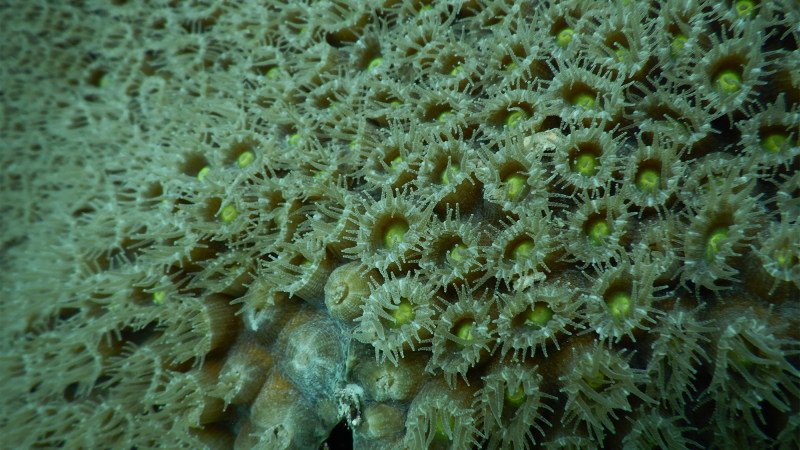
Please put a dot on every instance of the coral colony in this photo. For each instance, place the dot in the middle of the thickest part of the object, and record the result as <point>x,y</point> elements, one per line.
<point>400,224</point>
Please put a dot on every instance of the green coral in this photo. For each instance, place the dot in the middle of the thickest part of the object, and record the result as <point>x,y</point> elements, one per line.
<point>410,224</point>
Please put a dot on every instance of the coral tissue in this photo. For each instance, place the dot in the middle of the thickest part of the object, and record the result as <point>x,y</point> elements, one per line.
<point>400,224</point>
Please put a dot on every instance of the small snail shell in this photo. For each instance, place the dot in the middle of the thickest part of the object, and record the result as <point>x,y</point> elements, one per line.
<point>283,418</point>
<point>346,290</point>
<point>381,421</point>
<point>245,370</point>
<point>311,354</point>
<point>385,381</point>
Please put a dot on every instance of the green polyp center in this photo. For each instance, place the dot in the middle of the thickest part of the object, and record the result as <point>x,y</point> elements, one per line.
<point>394,232</point>
<point>517,186</point>
<point>729,81</point>
<point>396,163</point>
<point>621,52</point>
<point>444,115</point>
<point>273,73</point>
<point>516,398</point>
<point>785,258</point>
<point>586,164</point>
<point>597,382</point>
<point>647,181</point>
<point>522,250</point>
<point>245,159</point>
<point>510,67</point>
<point>403,315</point>
<point>440,433</point>
<point>455,171</point>
<point>464,331</point>
<point>538,316</point>
<point>158,297</point>
<point>293,139</point>
<point>203,172</point>
<point>597,230</point>
<point>678,42</point>
<point>619,304</point>
<point>583,100</point>
<point>304,262</point>
<point>773,143</point>
<point>374,64</point>
<point>564,37</point>
<point>713,243</point>
<point>229,214</point>
<point>744,7</point>
<point>455,251</point>
<point>456,70</point>
<point>512,118</point>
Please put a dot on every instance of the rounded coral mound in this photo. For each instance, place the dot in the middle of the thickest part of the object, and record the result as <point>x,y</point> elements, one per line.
<point>399,224</point>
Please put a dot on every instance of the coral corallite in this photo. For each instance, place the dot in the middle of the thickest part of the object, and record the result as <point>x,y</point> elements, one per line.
<point>399,224</point>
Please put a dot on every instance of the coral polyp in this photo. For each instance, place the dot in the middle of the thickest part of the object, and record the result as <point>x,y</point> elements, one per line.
<point>398,317</point>
<point>536,319</point>
<point>598,382</point>
<point>513,405</point>
<point>389,231</point>
<point>718,232</point>
<point>751,371</point>
<point>464,336</point>
<point>400,224</point>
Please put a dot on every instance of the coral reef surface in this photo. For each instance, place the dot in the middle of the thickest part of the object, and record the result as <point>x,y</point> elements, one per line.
<point>399,224</point>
